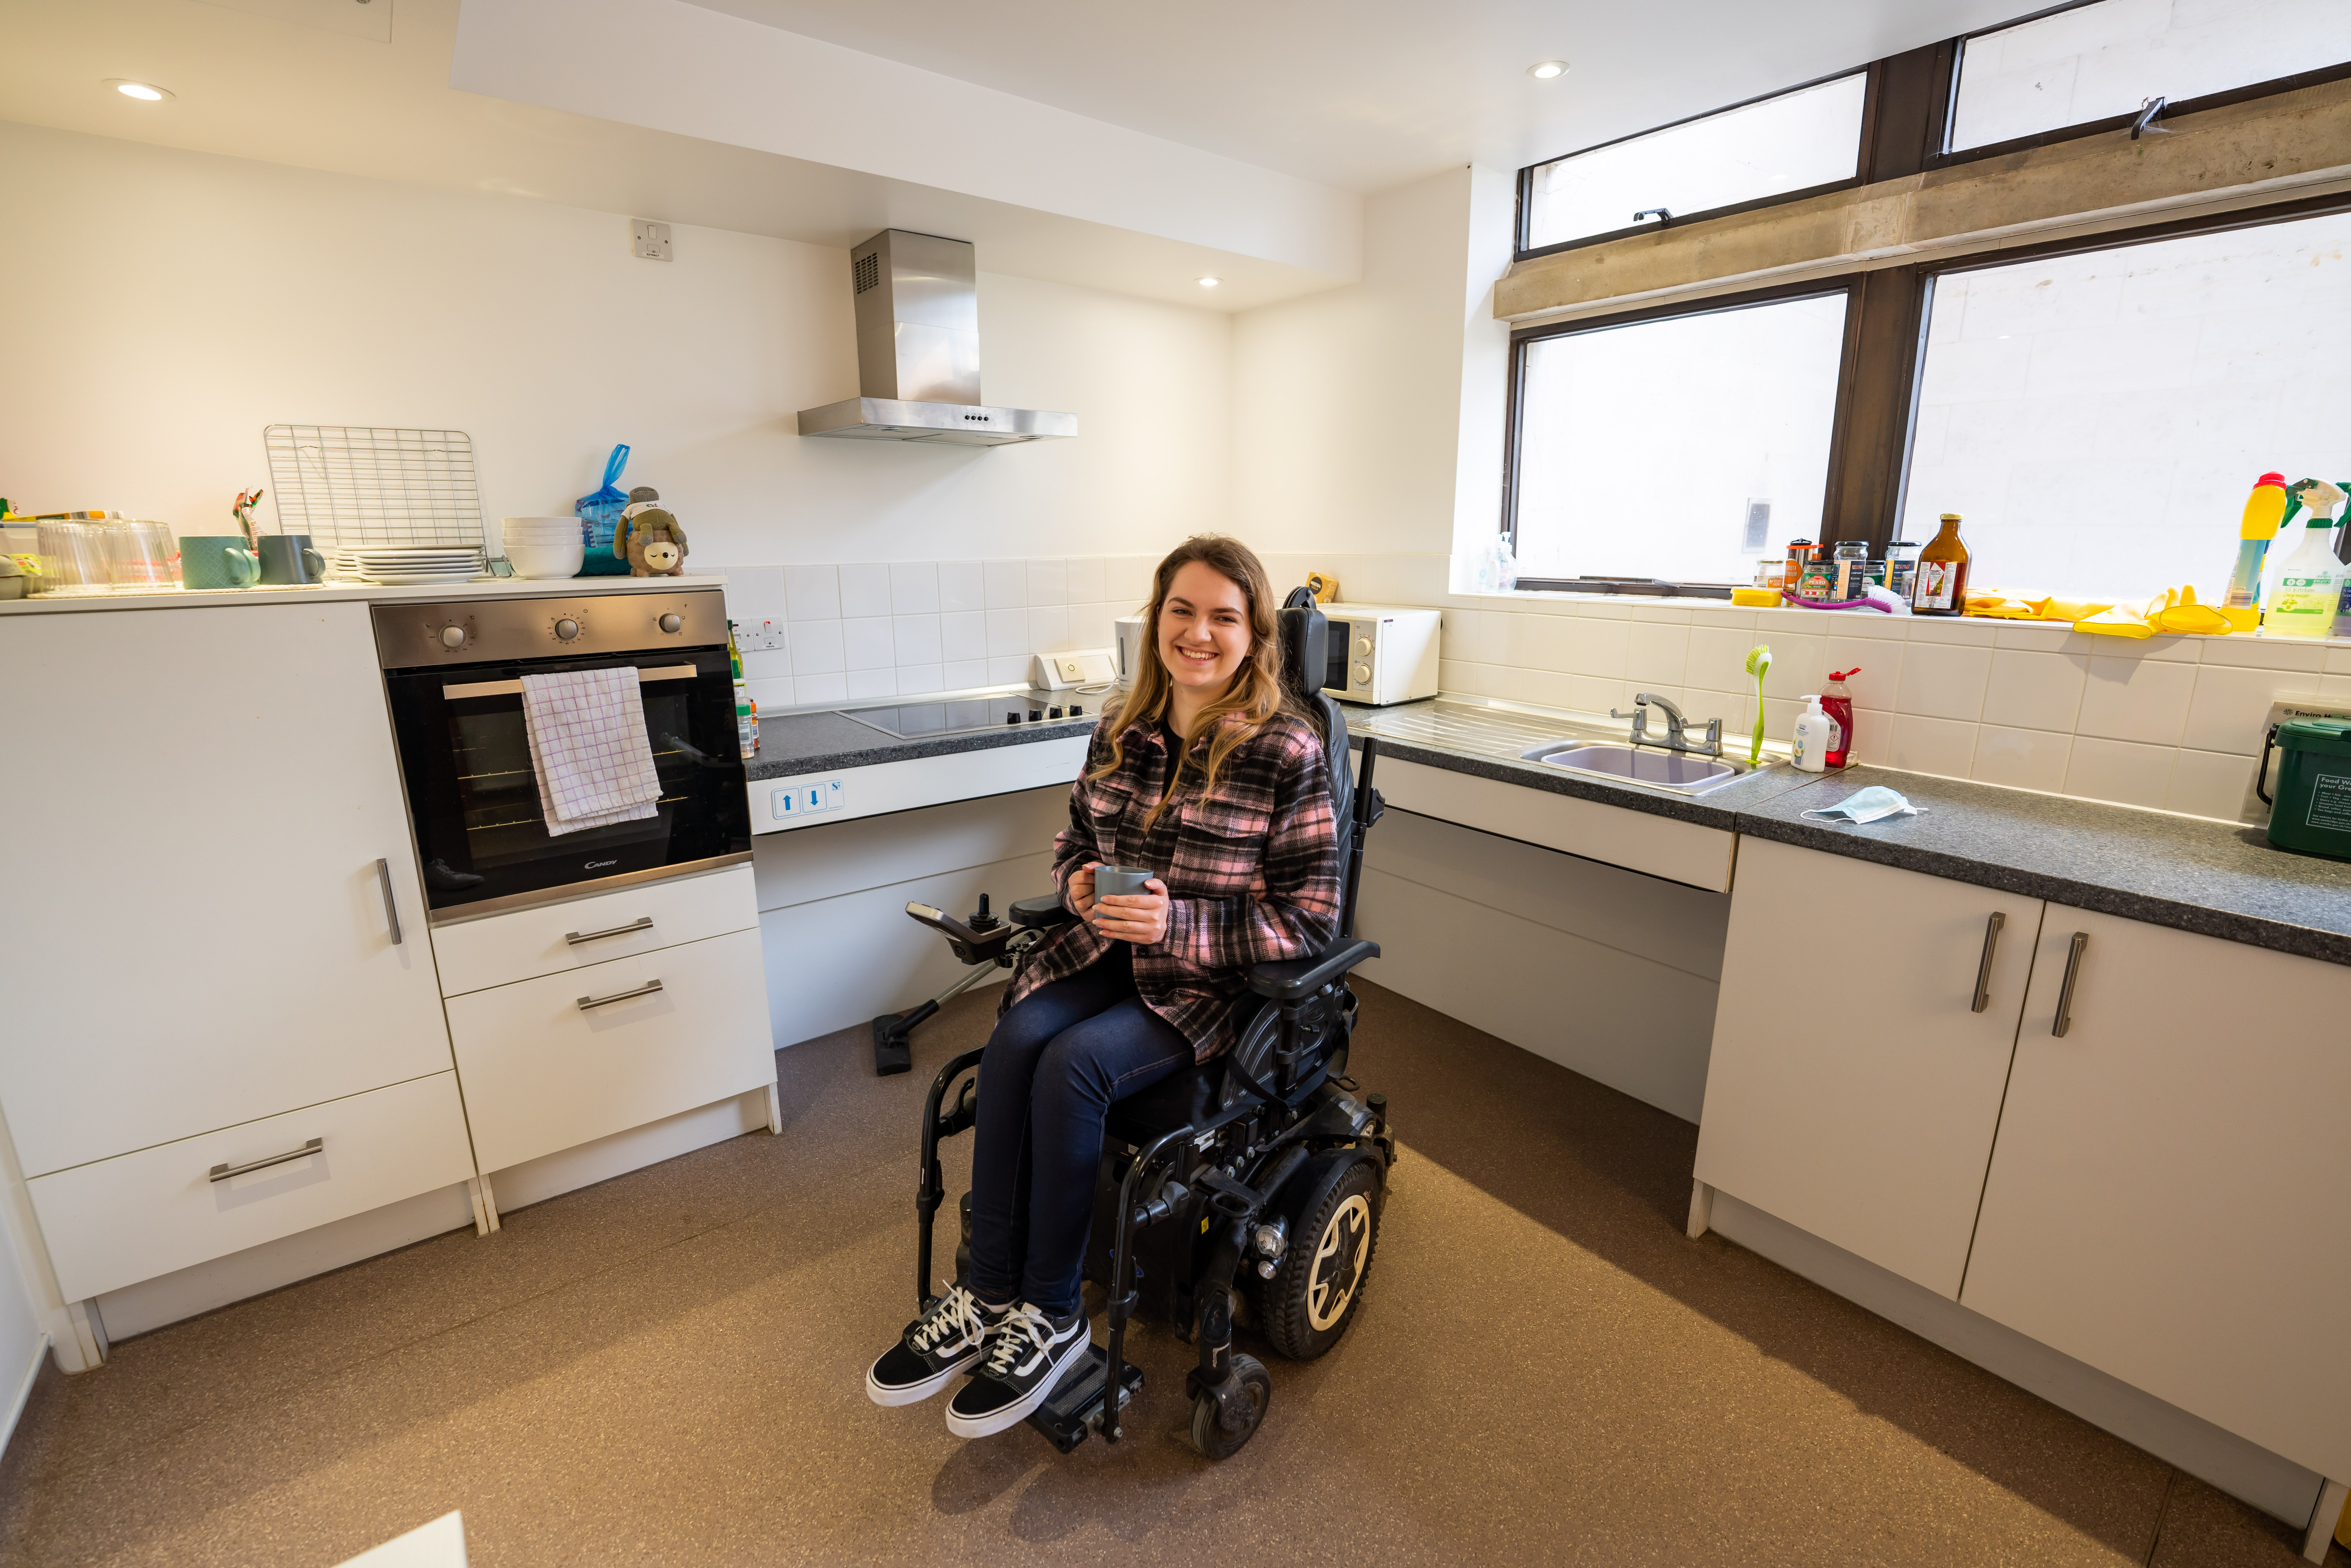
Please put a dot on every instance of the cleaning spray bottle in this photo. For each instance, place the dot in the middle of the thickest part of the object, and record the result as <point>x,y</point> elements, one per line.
<point>1837,703</point>
<point>2265,510</point>
<point>2310,586</point>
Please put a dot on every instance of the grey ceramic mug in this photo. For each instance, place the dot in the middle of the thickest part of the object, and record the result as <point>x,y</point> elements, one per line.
<point>1120,881</point>
<point>287,560</point>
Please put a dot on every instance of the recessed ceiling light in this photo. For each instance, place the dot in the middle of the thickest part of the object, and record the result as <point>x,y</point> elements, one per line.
<point>146,92</point>
<point>1210,282</point>
<point>1548,69</point>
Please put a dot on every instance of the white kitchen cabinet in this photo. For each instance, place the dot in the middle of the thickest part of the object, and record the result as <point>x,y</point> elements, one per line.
<point>116,1222</point>
<point>558,1060</point>
<point>2169,1196</point>
<point>214,915</point>
<point>1854,1083</point>
<point>523,944</point>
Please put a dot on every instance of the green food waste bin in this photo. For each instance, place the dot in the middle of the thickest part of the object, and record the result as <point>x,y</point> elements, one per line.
<point>2311,811</point>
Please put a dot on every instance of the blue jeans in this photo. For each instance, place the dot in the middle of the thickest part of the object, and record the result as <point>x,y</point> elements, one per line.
<point>1054,1064</point>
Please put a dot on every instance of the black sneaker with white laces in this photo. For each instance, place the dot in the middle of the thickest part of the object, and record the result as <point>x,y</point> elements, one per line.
<point>946,1339</point>
<point>1028,1353</point>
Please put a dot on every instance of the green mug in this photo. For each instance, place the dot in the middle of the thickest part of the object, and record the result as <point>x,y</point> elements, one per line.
<point>217,561</point>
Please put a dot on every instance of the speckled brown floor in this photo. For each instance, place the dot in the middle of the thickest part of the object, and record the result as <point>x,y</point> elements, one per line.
<point>666,1369</point>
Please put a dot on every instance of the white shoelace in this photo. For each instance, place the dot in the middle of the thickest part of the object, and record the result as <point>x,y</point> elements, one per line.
<point>1024,1323</point>
<point>957,1312</point>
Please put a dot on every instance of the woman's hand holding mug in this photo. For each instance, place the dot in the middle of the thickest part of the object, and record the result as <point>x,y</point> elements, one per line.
<point>1132,904</point>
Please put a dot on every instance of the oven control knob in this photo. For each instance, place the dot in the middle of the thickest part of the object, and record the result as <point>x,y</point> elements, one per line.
<point>673,622</point>
<point>452,637</point>
<point>1362,675</point>
<point>1363,645</point>
<point>567,628</point>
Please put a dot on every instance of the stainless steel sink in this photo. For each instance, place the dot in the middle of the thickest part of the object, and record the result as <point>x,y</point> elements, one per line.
<point>1677,771</point>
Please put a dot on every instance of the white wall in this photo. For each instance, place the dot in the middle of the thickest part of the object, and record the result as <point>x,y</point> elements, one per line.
<point>21,1336</point>
<point>166,305</point>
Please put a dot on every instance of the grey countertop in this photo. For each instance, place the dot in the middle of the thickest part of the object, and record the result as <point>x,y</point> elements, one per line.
<point>2218,879</point>
<point>795,743</point>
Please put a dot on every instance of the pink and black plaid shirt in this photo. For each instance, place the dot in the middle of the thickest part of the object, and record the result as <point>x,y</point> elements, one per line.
<point>1253,870</point>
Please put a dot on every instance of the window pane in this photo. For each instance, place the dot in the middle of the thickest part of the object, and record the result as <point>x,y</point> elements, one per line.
<point>1641,447</point>
<point>1811,137</point>
<point>2104,60</point>
<point>2098,419</point>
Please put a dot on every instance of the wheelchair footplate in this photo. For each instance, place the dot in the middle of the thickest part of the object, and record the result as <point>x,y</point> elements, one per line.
<point>1075,1406</point>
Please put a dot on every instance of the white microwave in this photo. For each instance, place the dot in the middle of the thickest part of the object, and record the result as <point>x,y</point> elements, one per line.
<point>1374,653</point>
<point>1380,654</point>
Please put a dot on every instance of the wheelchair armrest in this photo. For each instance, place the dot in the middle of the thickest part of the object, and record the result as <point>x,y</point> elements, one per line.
<point>1042,913</point>
<point>1299,977</point>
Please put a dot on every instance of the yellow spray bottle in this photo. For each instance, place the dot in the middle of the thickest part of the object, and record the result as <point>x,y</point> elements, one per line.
<point>2265,510</point>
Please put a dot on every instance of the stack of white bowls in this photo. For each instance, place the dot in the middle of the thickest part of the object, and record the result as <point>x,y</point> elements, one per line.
<point>544,547</point>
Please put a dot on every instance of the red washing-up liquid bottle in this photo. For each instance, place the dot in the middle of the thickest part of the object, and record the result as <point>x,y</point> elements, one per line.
<point>1837,703</point>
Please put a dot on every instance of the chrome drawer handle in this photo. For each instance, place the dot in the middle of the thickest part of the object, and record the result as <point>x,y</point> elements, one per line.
<point>642,922</point>
<point>647,989</point>
<point>390,910</point>
<point>1983,968</point>
<point>315,1146</point>
<point>2066,992</point>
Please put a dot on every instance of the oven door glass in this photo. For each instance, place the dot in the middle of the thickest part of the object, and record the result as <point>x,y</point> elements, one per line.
<point>474,798</point>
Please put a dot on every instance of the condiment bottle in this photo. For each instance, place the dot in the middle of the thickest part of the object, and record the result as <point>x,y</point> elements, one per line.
<point>1799,556</point>
<point>1837,703</point>
<point>1901,569</point>
<point>1852,568</point>
<point>1941,588</point>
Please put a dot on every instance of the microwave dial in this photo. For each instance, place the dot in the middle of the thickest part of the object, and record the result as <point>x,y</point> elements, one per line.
<point>566,629</point>
<point>1362,675</point>
<point>1362,646</point>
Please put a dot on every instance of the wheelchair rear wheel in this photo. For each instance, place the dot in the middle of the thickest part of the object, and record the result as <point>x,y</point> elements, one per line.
<point>1209,1433</point>
<point>1334,1228</point>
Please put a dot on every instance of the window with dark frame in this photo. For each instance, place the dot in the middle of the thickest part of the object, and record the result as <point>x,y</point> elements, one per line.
<point>1912,116</point>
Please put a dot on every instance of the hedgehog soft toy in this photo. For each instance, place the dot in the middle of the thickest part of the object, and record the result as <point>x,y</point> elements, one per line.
<point>649,538</point>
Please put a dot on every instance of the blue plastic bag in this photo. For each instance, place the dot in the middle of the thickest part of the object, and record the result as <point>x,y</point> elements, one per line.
<point>599,519</point>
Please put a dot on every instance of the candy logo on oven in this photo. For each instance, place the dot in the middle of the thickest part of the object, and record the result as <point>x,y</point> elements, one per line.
<point>599,865</point>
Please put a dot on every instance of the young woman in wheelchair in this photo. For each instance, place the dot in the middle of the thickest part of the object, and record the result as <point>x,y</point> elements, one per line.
<point>1205,768</point>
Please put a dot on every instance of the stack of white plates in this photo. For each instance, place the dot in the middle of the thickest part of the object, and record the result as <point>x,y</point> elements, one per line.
<point>544,547</point>
<point>401,565</point>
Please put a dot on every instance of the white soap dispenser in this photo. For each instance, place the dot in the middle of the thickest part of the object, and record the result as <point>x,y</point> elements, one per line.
<point>1816,731</point>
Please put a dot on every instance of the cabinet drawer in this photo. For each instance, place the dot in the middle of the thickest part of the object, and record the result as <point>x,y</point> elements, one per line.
<point>526,942</point>
<point>119,1221</point>
<point>542,1072</point>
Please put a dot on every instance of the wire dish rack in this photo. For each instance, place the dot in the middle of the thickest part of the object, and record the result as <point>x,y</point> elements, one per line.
<point>354,487</point>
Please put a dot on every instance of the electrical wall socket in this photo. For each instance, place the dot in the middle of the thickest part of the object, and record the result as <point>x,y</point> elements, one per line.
<point>649,239</point>
<point>806,799</point>
<point>758,636</point>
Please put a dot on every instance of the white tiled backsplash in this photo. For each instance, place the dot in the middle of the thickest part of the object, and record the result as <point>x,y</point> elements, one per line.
<point>904,628</point>
<point>2173,722</point>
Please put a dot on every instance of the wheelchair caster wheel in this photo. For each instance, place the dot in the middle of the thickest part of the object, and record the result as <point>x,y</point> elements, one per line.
<point>1209,1433</point>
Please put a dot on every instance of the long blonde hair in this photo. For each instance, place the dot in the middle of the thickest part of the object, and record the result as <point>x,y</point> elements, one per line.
<point>1245,704</point>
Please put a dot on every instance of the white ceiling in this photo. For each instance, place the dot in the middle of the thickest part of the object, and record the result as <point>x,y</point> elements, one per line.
<point>1241,98</point>
<point>1367,94</point>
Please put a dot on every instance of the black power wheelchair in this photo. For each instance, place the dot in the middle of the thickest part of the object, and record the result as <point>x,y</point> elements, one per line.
<point>1261,1166</point>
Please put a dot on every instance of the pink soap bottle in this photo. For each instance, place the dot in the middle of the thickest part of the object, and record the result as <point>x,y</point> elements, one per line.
<point>1837,703</point>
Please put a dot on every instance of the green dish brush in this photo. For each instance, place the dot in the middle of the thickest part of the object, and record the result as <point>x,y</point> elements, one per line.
<point>1758,659</point>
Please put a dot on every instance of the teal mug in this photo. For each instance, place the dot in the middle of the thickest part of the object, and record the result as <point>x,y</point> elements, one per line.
<point>217,561</point>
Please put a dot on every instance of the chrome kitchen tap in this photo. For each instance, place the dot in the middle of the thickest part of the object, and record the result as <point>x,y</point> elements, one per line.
<point>1676,724</point>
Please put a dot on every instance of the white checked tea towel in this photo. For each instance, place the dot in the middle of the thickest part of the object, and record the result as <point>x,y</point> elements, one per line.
<point>588,748</point>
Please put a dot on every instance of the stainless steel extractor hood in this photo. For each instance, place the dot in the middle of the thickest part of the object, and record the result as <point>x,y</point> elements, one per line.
<point>918,352</point>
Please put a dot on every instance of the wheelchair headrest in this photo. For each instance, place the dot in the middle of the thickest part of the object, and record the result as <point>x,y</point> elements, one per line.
<point>1305,641</point>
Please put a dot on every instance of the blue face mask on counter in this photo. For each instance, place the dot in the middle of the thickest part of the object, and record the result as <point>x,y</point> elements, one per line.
<point>1868,805</point>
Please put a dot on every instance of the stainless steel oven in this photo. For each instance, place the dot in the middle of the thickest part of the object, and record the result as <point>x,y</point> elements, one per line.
<point>452,672</point>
